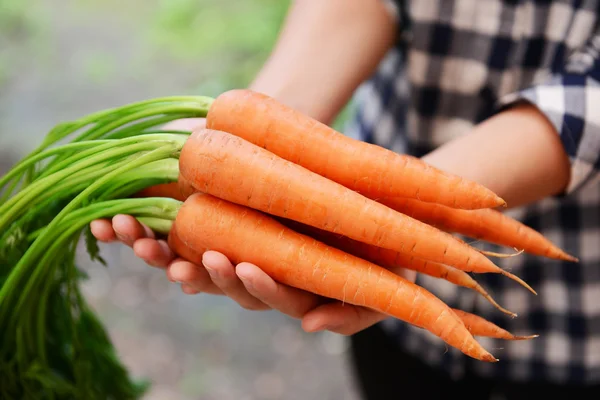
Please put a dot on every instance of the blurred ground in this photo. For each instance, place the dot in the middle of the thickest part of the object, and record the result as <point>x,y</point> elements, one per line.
<point>62,59</point>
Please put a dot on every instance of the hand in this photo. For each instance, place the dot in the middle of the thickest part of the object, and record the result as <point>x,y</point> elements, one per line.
<point>245,283</point>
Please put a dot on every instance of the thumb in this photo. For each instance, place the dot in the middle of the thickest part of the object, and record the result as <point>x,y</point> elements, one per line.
<point>342,318</point>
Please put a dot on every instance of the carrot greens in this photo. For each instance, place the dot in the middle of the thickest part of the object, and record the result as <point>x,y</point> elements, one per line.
<point>52,344</point>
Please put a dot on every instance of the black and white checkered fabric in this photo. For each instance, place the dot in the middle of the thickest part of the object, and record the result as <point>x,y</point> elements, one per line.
<point>456,63</point>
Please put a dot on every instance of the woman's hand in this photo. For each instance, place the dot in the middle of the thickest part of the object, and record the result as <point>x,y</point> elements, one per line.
<point>245,283</point>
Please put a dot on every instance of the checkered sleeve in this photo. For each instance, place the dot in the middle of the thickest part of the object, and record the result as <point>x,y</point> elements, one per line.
<point>570,99</point>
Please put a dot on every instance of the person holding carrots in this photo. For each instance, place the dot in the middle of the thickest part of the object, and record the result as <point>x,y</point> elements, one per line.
<point>499,92</point>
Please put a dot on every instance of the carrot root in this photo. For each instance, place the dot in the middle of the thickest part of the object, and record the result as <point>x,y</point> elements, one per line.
<point>500,255</point>
<point>483,224</point>
<point>519,280</point>
<point>479,326</point>
<point>479,289</point>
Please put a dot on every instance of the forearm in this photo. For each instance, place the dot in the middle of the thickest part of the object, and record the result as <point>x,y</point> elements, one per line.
<point>324,51</point>
<point>517,154</point>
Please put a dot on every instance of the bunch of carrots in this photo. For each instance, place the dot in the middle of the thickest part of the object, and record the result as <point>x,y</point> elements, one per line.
<point>262,183</point>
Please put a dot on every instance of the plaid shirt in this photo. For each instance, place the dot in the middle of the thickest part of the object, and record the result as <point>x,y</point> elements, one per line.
<point>456,63</point>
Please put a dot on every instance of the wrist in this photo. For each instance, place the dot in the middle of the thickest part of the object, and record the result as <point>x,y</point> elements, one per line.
<point>516,153</point>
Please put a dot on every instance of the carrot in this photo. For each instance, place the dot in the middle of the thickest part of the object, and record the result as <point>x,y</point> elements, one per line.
<point>357,165</point>
<point>296,260</point>
<point>392,259</point>
<point>231,168</point>
<point>485,224</point>
<point>176,244</point>
<point>479,326</point>
<point>377,255</point>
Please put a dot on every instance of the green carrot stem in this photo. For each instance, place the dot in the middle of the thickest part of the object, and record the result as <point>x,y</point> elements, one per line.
<point>14,206</point>
<point>128,183</point>
<point>163,209</point>
<point>191,106</point>
<point>133,181</point>
<point>197,108</point>
<point>186,108</point>
<point>30,161</point>
<point>47,237</point>
<point>61,131</point>
<point>159,225</point>
<point>140,128</point>
<point>106,144</point>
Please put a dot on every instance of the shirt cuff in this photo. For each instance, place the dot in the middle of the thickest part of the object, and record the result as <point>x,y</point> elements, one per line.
<point>571,102</point>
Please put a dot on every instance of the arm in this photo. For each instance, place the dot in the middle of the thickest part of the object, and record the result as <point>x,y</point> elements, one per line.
<point>517,154</point>
<point>324,51</point>
<point>546,144</point>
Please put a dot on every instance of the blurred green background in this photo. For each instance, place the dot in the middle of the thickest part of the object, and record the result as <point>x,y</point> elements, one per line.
<point>62,59</point>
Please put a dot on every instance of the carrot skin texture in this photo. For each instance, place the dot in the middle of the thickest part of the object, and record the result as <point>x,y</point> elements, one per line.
<point>231,168</point>
<point>244,234</point>
<point>360,166</point>
<point>392,259</point>
<point>485,224</point>
<point>479,326</point>
<point>193,255</point>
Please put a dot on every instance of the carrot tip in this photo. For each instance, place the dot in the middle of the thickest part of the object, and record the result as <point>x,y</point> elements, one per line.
<point>495,304</point>
<point>568,257</point>
<point>519,280</point>
<point>524,337</point>
<point>490,358</point>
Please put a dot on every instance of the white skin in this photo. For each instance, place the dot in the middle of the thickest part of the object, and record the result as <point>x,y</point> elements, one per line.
<point>324,51</point>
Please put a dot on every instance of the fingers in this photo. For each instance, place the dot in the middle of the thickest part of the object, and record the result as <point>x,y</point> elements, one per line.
<point>156,253</point>
<point>194,278</point>
<point>185,124</point>
<point>128,229</point>
<point>102,230</point>
<point>342,318</point>
<point>291,301</point>
<point>124,228</point>
<point>223,275</point>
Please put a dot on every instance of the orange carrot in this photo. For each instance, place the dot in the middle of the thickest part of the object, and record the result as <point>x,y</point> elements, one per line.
<point>360,166</point>
<point>479,326</point>
<point>244,234</point>
<point>486,224</point>
<point>392,259</point>
<point>193,255</point>
<point>231,168</point>
<point>377,255</point>
<point>171,190</point>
